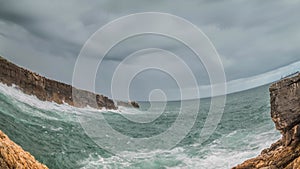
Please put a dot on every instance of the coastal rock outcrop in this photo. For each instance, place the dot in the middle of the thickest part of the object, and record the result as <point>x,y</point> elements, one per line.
<point>13,156</point>
<point>128,104</point>
<point>285,113</point>
<point>50,90</point>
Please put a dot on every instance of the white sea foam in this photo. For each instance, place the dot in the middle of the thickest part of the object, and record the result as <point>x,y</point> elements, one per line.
<point>218,154</point>
<point>32,100</point>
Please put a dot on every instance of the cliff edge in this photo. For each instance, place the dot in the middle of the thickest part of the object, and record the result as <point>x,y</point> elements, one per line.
<point>13,156</point>
<point>285,113</point>
<point>50,90</point>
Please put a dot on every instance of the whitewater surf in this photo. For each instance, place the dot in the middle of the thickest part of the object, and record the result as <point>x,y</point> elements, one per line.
<point>53,134</point>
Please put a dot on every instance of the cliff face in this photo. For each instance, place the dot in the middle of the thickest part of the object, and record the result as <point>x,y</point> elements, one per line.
<point>13,156</point>
<point>285,113</point>
<point>285,102</point>
<point>50,90</point>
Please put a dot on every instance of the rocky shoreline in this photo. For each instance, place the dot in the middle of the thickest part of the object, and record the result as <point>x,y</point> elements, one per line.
<point>285,113</point>
<point>12,155</point>
<point>50,90</point>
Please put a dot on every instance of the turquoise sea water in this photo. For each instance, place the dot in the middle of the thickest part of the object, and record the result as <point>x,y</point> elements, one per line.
<point>53,134</point>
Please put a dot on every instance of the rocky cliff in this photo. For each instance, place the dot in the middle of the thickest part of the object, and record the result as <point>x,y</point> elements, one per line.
<point>285,112</point>
<point>13,156</point>
<point>50,90</point>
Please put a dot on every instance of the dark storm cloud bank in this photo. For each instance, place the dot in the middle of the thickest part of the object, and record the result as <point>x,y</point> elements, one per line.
<point>252,37</point>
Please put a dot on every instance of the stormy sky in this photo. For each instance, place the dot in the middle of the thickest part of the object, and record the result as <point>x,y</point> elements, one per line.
<point>258,41</point>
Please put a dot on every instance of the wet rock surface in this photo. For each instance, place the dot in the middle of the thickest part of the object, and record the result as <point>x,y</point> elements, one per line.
<point>13,156</point>
<point>285,113</point>
<point>50,90</point>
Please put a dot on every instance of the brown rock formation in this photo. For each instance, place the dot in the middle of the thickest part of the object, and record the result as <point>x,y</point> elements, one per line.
<point>13,156</point>
<point>285,112</point>
<point>50,90</point>
<point>128,104</point>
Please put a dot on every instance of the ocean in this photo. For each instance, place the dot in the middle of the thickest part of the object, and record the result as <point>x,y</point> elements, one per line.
<point>54,135</point>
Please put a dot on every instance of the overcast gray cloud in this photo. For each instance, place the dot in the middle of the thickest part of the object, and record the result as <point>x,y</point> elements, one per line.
<point>252,37</point>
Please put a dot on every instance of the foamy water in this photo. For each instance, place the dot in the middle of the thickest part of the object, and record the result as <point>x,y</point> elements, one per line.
<point>53,134</point>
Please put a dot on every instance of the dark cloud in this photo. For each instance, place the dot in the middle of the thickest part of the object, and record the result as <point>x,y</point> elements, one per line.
<point>252,37</point>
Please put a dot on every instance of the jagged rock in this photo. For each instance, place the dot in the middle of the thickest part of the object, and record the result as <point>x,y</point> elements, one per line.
<point>50,90</point>
<point>285,112</point>
<point>13,156</point>
<point>128,104</point>
<point>135,104</point>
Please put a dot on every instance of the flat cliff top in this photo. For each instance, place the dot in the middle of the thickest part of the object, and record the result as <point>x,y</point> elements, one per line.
<point>285,82</point>
<point>13,156</point>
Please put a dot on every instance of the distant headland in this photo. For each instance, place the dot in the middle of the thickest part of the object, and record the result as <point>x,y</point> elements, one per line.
<point>50,90</point>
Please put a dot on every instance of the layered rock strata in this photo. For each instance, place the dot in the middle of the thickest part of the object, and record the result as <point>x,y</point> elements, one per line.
<point>285,113</point>
<point>50,90</point>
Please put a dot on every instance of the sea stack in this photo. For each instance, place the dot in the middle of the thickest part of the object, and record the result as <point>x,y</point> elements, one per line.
<point>285,113</point>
